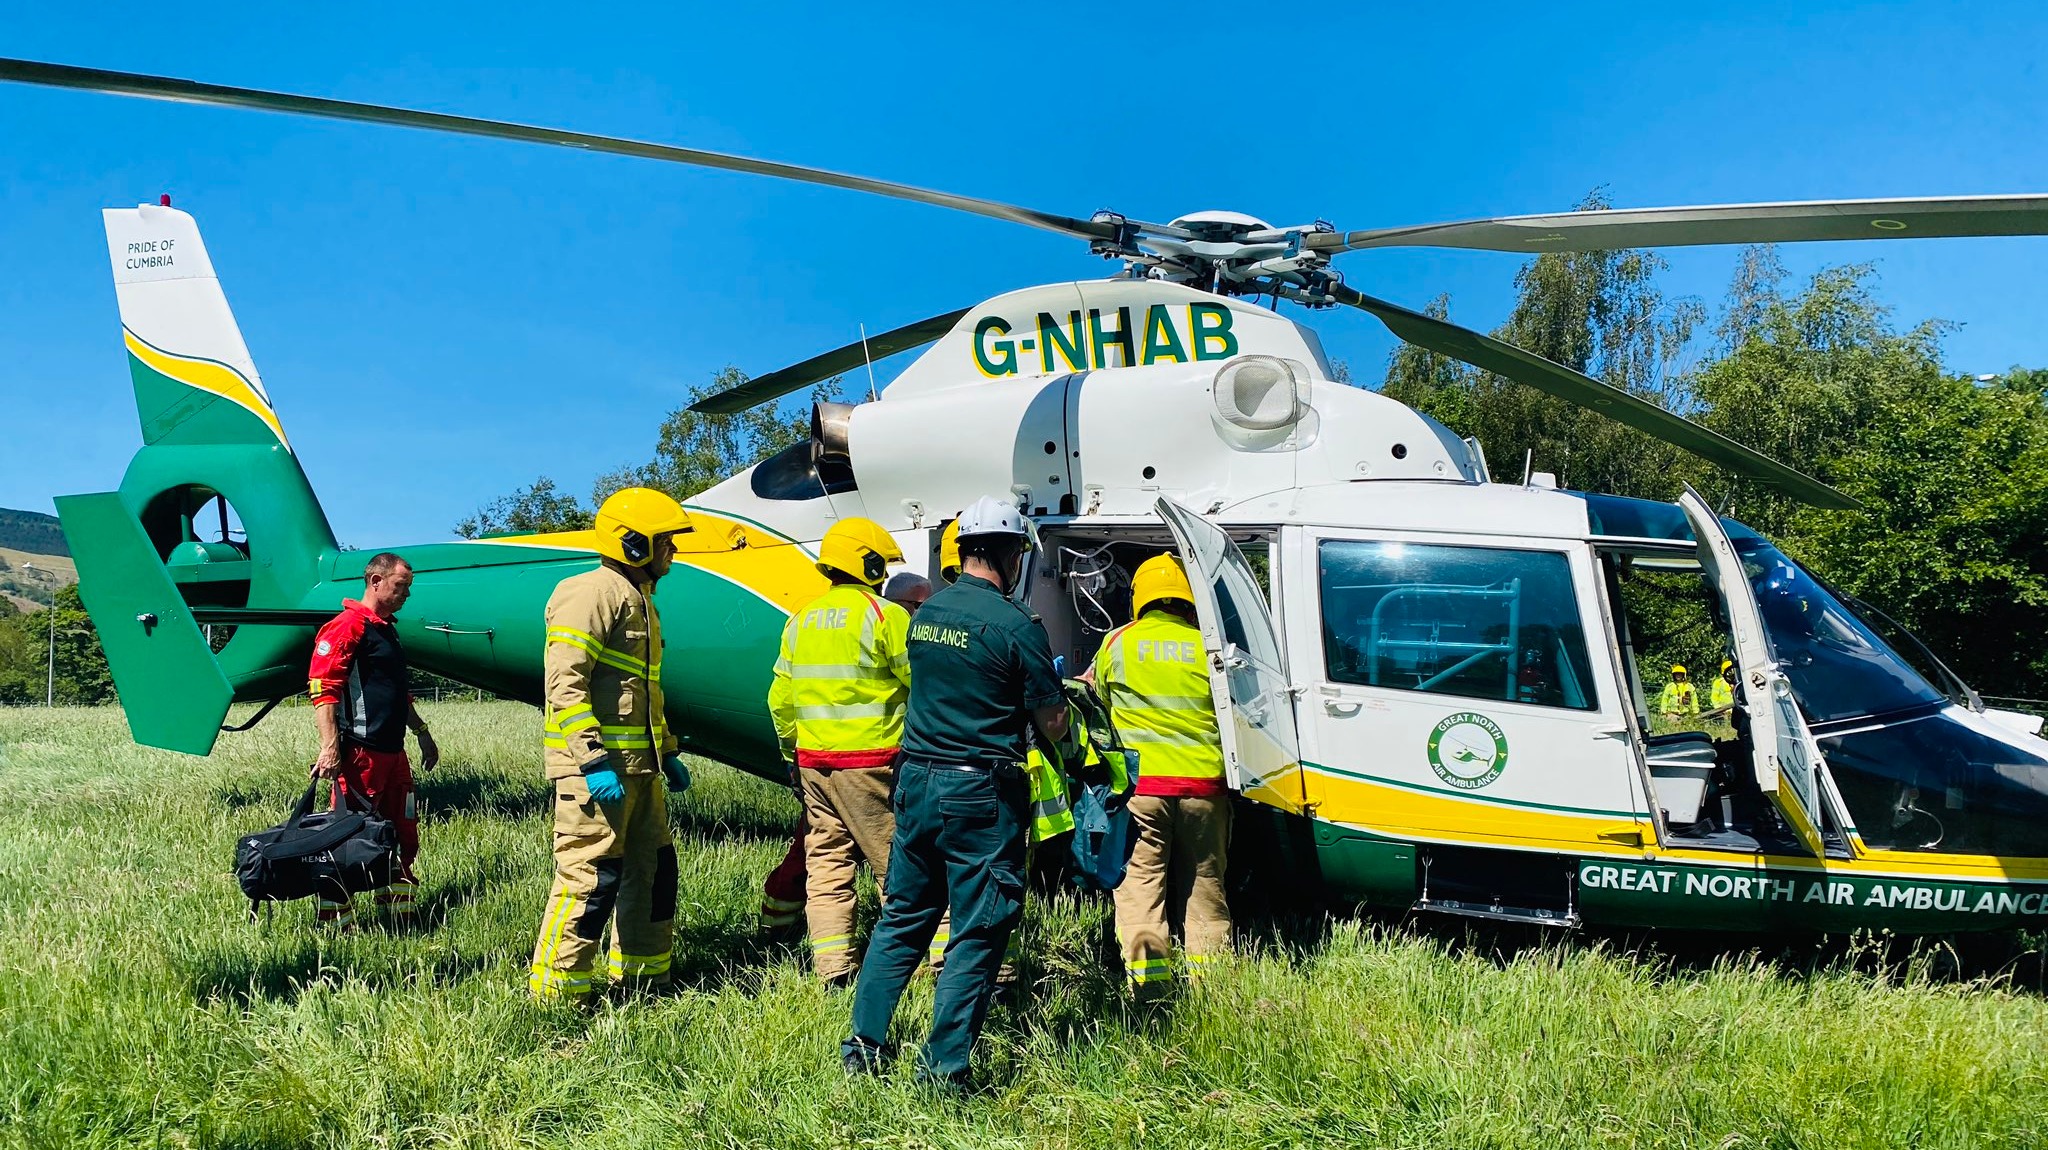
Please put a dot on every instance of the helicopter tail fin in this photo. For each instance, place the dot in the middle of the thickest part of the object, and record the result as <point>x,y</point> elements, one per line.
<point>194,381</point>
<point>172,689</point>
<point>164,556</point>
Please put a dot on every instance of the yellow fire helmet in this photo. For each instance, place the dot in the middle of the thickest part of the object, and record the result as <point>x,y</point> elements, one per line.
<point>1159,577</point>
<point>632,520</point>
<point>1678,668</point>
<point>860,548</point>
<point>949,552</point>
<point>1727,663</point>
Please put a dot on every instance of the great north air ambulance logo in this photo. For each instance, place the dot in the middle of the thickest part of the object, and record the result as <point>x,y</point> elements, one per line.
<point>1468,750</point>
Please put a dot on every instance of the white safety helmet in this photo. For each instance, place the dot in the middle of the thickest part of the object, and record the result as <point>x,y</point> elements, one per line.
<point>991,516</point>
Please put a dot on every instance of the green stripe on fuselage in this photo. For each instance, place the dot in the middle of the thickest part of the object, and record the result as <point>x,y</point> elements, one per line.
<point>477,616</point>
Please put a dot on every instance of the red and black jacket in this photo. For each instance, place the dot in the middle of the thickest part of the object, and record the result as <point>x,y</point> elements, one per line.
<point>359,667</point>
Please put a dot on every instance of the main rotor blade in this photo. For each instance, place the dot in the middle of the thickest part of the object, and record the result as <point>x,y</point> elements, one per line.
<point>194,92</point>
<point>1505,359</point>
<point>1612,228</point>
<point>838,361</point>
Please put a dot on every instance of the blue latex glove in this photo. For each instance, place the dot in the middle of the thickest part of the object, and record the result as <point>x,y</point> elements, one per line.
<point>605,785</point>
<point>677,774</point>
<point>1059,665</point>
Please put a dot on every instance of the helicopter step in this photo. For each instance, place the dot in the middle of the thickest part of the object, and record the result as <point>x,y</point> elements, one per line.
<point>1491,885</point>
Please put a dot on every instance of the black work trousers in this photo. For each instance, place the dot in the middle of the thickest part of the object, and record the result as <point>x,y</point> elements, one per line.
<point>960,843</point>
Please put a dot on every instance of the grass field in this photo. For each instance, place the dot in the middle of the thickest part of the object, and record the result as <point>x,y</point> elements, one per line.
<point>139,1007</point>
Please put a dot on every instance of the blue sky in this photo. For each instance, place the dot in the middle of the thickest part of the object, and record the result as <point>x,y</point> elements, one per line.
<point>440,320</point>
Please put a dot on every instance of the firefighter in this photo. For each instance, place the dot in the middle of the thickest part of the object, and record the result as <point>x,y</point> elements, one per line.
<point>1153,675</point>
<point>841,685</point>
<point>1721,696</point>
<point>607,748</point>
<point>362,707</point>
<point>782,894</point>
<point>949,553</point>
<point>982,677</point>
<point>1678,702</point>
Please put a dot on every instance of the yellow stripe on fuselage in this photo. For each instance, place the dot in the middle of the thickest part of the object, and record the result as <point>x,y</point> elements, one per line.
<point>1401,812</point>
<point>774,567</point>
<point>207,376</point>
<point>1418,814</point>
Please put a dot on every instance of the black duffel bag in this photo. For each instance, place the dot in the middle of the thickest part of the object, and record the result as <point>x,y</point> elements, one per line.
<point>335,853</point>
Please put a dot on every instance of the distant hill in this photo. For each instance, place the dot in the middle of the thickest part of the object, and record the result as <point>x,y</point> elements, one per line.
<point>32,532</point>
<point>30,580</point>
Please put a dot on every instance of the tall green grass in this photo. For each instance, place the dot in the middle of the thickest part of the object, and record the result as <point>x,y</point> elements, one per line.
<point>138,1006</point>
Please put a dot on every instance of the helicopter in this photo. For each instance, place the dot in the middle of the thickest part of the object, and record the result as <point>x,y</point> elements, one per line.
<point>1429,691</point>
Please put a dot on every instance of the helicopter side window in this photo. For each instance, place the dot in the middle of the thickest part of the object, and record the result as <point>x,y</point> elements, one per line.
<point>1477,622</point>
<point>791,474</point>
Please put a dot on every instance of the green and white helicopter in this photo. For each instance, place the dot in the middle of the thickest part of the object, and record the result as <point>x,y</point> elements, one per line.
<point>1429,688</point>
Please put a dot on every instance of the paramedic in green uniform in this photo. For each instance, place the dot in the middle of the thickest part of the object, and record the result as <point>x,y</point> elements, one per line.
<point>980,674</point>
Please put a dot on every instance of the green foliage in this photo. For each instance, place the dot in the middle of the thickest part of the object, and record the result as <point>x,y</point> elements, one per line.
<point>692,453</point>
<point>142,1009</point>
<point>535,509</point>
<point>1597,312</point>
<point>7,608</point>
<point>25,645</point>
<point>695,451</point>
<point>33,532</point>
<point>1955,544</point>
<point>1954,476</point>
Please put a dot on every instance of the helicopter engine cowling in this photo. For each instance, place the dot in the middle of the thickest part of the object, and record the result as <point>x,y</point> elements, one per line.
<point>1112,442</point>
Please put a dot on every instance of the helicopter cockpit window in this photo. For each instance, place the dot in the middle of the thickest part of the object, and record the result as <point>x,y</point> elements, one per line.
<point>1839,668</point>
<point>790,474</point>
<point>1916,772</point>
<point>1476,622</point>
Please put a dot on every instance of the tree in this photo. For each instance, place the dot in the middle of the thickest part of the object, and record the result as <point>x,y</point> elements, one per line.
<point>536,509</point>
<point>1600,313</point>
<point>1953,540</point>
<point>695,451</point>
<point>692,452</point>
<point>1801,377</point>
<point>82,675</point>
<point>21,655</point>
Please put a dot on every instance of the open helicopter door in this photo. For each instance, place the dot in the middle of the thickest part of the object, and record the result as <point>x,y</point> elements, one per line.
<point>1247,668</point>
<point>1783,752</point>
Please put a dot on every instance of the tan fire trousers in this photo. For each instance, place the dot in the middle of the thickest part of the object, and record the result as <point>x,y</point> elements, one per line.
<point>614,864</point>
<point>850,819</point>
<point>1175,881</point>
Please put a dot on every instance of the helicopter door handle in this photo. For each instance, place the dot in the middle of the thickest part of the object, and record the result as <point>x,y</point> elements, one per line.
<point>1610,732</point>
<point>451,629</point>
<point>1337,705</point>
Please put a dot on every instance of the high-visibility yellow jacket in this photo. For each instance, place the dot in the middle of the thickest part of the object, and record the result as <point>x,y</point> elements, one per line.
<point>1721,695</point>
<point>1678,699</point>
<point>1154,678</point>
<point>603,676</point>
<point>842,681</point>
<point>1052,806</point>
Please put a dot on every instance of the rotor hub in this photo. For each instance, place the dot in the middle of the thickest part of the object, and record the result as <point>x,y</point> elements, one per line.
<point>1229,253</point>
